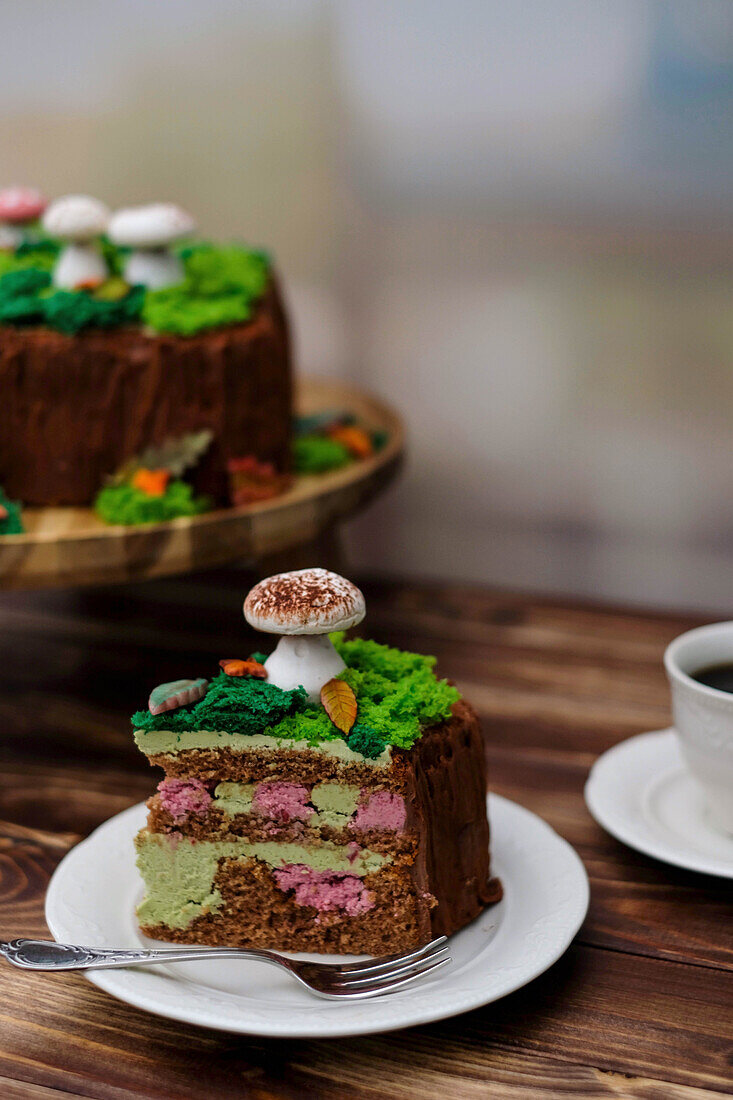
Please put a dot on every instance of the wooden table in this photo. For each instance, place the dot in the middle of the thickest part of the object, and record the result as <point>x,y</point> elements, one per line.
<point>640,1006</point>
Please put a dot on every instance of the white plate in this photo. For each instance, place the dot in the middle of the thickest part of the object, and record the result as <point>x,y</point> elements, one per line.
<point>643,794</point>
<point>92,895</point>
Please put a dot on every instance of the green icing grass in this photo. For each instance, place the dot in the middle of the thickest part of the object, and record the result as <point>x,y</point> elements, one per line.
<point>398,695</point>
<point>234,704</point>
<point>124,504</point>
<point>220,288</point>
<point>11,524</point>
<point>314,454</point>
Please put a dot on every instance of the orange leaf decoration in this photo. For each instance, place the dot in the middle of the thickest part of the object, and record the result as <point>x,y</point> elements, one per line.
<point>354,439</point>
<point>152,482</point>
<point>339,703</point>
<point>234,667</point>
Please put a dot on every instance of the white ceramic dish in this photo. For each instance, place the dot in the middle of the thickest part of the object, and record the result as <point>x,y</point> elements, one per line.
<point>92,896</point>
<point>643,794</point>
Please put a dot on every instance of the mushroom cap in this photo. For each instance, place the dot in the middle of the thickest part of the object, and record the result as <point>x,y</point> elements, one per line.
<point>76,218</point>
<point>308,601</point>
<point>21,204</point>
<point>152,226</point>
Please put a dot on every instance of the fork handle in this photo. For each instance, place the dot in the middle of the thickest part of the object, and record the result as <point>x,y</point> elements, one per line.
<point>49,955</point>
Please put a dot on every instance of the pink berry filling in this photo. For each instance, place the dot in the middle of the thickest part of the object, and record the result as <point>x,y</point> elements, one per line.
<point>282,801</point>
<point>181,797</point>
<point>325,890</point>
<point>384,810</point>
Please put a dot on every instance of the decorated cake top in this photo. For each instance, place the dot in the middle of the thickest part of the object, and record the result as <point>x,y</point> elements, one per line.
<point>82,266</point>
<point>356,691</point>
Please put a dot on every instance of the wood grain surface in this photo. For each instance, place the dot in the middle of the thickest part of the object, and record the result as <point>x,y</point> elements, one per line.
<point>641,1006</point>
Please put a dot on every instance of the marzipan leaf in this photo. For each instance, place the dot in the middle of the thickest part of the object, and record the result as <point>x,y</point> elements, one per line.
<point>234,667</point>
<point>177,454</point>
<point>339,703</point>
<point>176,693</point>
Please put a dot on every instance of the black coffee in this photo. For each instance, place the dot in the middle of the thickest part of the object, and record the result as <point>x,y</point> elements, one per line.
<point>716,676</point>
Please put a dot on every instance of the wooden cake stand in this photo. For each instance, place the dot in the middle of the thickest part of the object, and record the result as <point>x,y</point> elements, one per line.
<point>71,546</point>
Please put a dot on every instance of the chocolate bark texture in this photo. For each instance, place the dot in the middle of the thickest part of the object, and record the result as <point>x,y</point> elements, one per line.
<point>75,408</point>
<point>450,796</point>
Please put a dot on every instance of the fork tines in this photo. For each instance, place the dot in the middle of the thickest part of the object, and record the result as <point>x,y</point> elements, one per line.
<point>372,978</point>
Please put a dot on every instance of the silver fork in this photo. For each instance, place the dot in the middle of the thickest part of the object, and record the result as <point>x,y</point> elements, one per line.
<point>336,982</point>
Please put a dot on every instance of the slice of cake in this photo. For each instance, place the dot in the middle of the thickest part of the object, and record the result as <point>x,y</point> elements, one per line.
<point>330,797</point>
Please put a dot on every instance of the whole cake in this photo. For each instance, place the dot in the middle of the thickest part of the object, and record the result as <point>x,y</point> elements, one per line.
<point>330,797</point>
<point>119,333</point>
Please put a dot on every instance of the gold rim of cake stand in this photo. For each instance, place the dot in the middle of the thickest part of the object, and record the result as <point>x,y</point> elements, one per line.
<point>71,546</point>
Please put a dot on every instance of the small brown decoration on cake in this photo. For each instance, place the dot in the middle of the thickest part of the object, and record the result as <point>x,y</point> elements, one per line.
<point>251,481</point>
<point>232,666</point>
<point>274,828</point>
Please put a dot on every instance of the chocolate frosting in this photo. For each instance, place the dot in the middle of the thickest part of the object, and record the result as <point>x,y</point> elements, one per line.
<point>74,408</point>
<point>449,808</point>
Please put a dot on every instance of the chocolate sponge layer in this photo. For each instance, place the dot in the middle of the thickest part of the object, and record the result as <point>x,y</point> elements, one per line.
<point>74,408</point>
<point>256,913</point>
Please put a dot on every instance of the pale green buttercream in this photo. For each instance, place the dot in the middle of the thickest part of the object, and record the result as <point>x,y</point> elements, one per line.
<point>152,742</point>
<point>335,802</point>
<point>234,798</point>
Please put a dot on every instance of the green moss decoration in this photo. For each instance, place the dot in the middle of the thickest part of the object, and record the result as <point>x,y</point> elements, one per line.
<point>10,524</point>
<point>26,298</point>
<point>220,288</point>
<point>235,704</point>
<point>311,724</point>
<point>314,454</point>
<point>39,251</point>
<point>124,504</point>
<point>70,310</point>
<point>397,693</point>
<point>24,281</point>
<point>19,295</point>
<point>365,740</point>
<point>259,657</point>
<point>36,255</point>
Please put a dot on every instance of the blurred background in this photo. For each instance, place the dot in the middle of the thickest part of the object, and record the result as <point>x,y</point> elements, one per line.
<point>514,221</point>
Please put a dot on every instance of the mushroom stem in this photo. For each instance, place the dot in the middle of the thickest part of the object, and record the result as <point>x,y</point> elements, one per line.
<point>154,268</point>
<point>304,660</point>
<point>79,265</point>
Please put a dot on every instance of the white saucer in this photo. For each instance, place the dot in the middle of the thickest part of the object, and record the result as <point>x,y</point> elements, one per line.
<point>642,793</point>
<point>93,892</point>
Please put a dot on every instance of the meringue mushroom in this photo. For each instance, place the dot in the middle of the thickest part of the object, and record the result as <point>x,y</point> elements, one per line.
<point>77,219</point>
<point>304,607</point>
<point>18,207</point>
<point>149,230</point>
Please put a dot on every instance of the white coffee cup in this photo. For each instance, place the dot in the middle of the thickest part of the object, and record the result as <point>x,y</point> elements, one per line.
<point>703,716</point>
